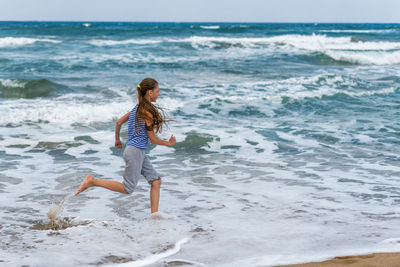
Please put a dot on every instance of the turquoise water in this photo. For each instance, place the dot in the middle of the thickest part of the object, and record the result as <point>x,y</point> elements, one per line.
<point>286,147</point>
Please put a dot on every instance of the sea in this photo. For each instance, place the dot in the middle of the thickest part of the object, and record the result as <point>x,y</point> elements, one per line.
<point>287,146</point>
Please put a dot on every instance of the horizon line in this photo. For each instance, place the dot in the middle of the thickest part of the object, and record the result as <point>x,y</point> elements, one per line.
<point>246,22</point>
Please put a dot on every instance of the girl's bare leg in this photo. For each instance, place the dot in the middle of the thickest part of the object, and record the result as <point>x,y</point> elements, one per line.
<point>90,181</point>
<point>155,195</point>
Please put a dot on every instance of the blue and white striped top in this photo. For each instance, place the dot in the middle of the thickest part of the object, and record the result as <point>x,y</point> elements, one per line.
<point>140,139</point>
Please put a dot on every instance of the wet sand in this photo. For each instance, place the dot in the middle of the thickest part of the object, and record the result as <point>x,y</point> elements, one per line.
<point>370,260</point>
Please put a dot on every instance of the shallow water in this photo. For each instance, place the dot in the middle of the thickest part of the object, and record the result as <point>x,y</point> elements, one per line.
<point>287,142</point>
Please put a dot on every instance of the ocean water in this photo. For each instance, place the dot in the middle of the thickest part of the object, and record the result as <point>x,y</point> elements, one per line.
<point>287,142</point>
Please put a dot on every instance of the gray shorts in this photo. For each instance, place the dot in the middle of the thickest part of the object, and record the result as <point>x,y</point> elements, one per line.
<point>136,164</point>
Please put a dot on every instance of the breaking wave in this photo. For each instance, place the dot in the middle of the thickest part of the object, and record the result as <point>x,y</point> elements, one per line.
<point>21,41</point>
<point>24,88</point>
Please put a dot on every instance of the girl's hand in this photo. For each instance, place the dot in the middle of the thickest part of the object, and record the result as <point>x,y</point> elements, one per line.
<point>172,140</point>
<point>118,144</point>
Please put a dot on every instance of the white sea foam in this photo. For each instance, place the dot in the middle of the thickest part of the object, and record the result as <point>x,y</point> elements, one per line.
<point>298,139</point>
<point>308,42</point>
<point>282,259</point>
<point>391,241</point>
<point>63,112</point>
<point>294,88</point>
<point>214,27</point>
<point>68,111</point>
<point>211,42</point>
<point>366,57</point>
<point>20,41</point>
<point>272,260</point>
<point>323,42</point>
<point>12,83</point>
<point>327,86</point>
<point>271,194</point>
<point>130,58</point>
<point>360,31</point>
<point>327,91</point>
<point>155,258</point>
<point>86,24</point>
<point>123,42</point>
<point>339,48</point>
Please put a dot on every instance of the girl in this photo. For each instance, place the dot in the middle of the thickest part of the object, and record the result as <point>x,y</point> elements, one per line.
<point>145,120</point>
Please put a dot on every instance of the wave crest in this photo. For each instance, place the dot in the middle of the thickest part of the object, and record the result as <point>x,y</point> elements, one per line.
<point>21,41</point>
<point>366,58</point>
<point>211,27</point>
<point>123,42</point>
<point>341,49</point>
<point>23,88</point>
<point>71,109</point>
<point>322,43</point>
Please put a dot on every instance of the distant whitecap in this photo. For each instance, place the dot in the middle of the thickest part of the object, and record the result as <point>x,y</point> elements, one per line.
<point>215,27</point>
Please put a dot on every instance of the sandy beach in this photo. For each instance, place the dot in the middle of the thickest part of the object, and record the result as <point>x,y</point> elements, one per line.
<point>369,260</point>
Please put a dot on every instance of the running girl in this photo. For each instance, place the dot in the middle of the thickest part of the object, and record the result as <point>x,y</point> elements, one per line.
<point>144,121</point>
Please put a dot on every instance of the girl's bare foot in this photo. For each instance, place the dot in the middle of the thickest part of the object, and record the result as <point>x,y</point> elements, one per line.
<point>87,182</point>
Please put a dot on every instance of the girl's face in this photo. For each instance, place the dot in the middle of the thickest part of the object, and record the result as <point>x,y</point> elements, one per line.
<point>154,94</point>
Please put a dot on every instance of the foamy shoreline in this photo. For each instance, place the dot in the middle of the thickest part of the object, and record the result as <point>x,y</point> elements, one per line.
<point>388,259</point>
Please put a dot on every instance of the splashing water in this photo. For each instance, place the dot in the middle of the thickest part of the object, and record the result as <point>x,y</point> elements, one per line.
<point>56,209</point>
<point>57,223</point>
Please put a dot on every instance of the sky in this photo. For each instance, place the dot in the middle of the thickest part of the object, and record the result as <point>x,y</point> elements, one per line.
<point>341,11</point>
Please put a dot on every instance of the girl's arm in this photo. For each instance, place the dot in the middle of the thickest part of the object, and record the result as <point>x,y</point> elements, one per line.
<point>157,141</point>
<point>122,120</point>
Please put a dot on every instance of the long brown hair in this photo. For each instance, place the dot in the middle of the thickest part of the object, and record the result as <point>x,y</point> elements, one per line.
<point>145,107</point>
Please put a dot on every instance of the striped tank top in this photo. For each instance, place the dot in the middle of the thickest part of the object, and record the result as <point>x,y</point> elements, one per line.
<point>140,138</point>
